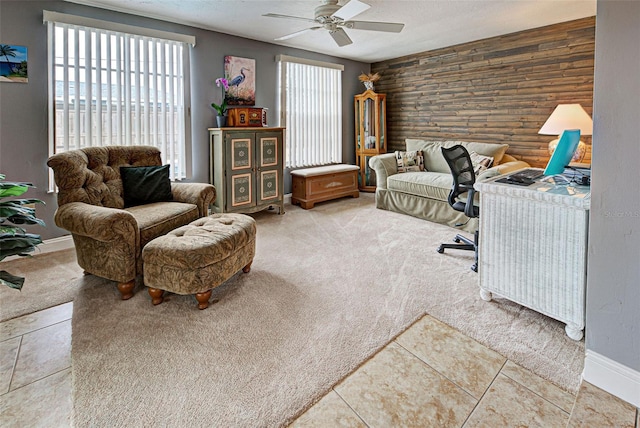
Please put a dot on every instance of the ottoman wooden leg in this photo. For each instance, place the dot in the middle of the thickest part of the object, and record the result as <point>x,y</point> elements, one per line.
<point>126,289</point>
<point>247,268</point>
<point>203,299</point>
<point>156,295</point>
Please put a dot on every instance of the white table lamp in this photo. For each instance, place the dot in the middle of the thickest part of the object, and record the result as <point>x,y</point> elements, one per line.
<point>568,116</point>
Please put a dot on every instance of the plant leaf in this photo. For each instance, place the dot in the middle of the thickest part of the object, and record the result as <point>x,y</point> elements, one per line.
<point>20,245</point>
<point>12,189</point>
<point>11,230</point>
<point>11,280</point>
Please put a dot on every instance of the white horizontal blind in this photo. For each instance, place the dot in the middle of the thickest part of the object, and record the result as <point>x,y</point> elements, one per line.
<point>311,110</point>
<point>114,88</point>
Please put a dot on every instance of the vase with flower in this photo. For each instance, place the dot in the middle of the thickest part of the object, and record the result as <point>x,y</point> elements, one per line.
<point>221,108</point>
<point>369,79</point>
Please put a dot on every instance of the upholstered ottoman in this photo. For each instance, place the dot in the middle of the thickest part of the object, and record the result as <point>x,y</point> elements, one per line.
<point>196,258</point>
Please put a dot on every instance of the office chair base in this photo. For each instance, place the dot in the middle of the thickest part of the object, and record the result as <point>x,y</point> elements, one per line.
<point>442,247</point>
<point>463,243</point>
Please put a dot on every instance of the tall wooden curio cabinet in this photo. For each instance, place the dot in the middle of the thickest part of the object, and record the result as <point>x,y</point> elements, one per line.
<point>247,166</point>
<point>371,129</point>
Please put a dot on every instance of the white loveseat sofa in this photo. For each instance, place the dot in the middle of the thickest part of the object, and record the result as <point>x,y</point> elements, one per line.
<point>424,194</point>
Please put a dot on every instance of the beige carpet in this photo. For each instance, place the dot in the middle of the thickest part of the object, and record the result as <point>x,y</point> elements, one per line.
<point>328,288</point>
<point>49,281</point>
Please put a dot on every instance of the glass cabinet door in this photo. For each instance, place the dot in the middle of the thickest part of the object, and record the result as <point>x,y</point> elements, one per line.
<point>382,124</point>
<point>369,124</point>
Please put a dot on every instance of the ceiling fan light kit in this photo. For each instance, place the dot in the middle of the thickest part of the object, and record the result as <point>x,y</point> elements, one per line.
<point>333,17</point>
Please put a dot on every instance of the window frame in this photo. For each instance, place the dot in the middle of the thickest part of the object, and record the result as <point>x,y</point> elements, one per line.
<point>312,129</point>
<point>148,103</point>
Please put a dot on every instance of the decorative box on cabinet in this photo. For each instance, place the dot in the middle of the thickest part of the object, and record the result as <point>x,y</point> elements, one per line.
<point>371,128</point>
<point>246,167</point>
<point>247,117</point>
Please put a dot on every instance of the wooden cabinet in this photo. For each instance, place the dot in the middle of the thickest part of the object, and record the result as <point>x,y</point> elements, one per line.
<point>247,169</point>
<point>371,129</point>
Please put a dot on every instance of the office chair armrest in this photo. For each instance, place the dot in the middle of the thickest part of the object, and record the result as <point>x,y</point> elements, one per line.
<point>384,165</point>
<point>468,206</point>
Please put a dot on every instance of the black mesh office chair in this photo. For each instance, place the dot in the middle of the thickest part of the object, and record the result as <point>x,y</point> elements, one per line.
<point>463,179</point>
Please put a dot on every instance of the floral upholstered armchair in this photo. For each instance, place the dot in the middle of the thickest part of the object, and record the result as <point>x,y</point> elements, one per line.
<point>110,228</point>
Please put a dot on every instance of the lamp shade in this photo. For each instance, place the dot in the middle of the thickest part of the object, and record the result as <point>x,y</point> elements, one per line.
<point>567,116</point>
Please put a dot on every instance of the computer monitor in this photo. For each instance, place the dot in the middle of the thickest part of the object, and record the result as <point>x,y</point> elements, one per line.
<point>563,153</point>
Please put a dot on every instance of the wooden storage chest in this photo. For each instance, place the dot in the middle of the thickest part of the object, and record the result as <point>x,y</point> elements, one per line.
<point>312,185</point>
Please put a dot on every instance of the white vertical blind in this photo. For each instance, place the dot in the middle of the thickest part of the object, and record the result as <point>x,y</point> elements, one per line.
<point>311,110</point>
<point>114,88</point>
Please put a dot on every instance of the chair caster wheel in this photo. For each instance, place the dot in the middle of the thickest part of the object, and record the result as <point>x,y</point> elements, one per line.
<point>474,268</point>
<point>456,240</point>
<point>440,250</point>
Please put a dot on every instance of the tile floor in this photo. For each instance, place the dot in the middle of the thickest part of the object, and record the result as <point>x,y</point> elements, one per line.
<point>431,375</point>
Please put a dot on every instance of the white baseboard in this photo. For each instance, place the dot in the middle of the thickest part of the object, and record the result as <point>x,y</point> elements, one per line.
<point>49,246</point>
<point>612,377</point>
<point>56,244</point>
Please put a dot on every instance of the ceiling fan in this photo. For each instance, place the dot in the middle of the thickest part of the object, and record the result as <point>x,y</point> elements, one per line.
<point>333,18</point>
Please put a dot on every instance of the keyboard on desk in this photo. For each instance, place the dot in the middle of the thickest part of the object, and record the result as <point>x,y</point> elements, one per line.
<point>527,174</point>
<point>524,177</point>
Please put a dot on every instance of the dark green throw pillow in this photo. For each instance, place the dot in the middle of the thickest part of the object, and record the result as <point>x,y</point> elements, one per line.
<point>145,184</point>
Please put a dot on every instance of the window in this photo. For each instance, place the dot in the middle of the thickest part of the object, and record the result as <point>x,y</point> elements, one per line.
<point>311,110</point>
<point>109,86</point>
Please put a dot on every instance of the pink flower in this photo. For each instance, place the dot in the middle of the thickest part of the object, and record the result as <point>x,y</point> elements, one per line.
<point>224,82</point>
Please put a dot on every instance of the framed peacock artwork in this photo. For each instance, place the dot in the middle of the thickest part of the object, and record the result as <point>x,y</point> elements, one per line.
<point>241,75</point>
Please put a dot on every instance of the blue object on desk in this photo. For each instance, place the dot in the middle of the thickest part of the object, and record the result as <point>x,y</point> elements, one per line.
<point>563,153</point>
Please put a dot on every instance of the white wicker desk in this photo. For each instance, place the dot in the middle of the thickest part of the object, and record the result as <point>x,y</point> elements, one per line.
<point>533,248</point>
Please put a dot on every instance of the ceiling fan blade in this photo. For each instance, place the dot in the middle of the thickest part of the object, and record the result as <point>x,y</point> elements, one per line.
<point>277,15</point>
<point>341,38</point>
<point>351,9</point>
<point>390,27</point>
<point>298,33</point>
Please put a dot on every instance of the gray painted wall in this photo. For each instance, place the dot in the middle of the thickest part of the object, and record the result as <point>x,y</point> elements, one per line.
<point>613,281</point>
<point>23,107</point>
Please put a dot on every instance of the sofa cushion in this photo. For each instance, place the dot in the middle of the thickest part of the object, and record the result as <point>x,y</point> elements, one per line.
<point>159,218</point>
<point>434,185</point>
<point>434,161</point>
<point>145,184</point>
<point>412,161</point>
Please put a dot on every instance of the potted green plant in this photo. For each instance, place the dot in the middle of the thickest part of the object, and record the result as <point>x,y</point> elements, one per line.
<point>221,108</point>
<point>14,240</point>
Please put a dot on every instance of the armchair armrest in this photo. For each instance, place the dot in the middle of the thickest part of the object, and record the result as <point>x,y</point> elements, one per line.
<point>200,194</point>
<point>384,165</point>
<point>96,222</point>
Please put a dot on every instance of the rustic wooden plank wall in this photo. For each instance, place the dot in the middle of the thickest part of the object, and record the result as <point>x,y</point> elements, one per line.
<point>500,89</point>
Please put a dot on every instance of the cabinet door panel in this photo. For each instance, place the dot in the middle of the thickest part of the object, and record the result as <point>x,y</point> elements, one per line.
<point>241,190</point>
<point>241,150</point>
<point>269,185</point>
<point>268,155</point>
<point>240,170</point>
<point>269,178</point>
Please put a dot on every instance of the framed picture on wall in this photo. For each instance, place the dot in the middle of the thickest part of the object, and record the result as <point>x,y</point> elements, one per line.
<point>240,73</point>
<point>13,63</point>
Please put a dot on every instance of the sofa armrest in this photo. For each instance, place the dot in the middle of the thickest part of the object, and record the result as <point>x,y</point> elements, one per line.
<point>200,194</point>
<point>384,165</point>
<point>507,167</point>
<point>96,222</point>
<point>503,168</point>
